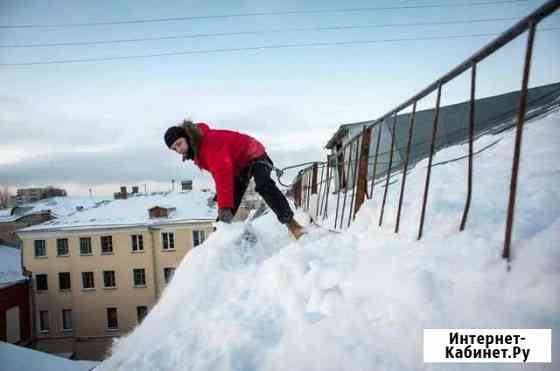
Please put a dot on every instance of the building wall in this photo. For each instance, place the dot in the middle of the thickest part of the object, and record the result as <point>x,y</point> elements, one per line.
<point>89,306</point>
<point>8,229</point>
<point>16,295</point>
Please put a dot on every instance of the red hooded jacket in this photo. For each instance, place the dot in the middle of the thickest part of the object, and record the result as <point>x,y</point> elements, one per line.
<point>224,153</point>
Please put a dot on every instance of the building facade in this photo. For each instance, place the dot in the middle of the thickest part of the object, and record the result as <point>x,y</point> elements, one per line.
<point>94,283</point>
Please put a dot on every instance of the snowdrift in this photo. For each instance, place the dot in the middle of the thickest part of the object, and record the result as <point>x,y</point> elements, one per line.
<point>359,300</point>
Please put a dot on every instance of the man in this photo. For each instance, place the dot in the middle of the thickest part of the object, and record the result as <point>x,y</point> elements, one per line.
<point>232,158</point>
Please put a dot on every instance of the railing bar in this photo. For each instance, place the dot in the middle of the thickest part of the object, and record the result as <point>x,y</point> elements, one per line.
<point>379,128</point>
<point>432,150</point>
<point>388,170</point>
<point>346,185</point>
<point>471,148</point>
<point>407,158</point>
<point>506,253</point>
<point>354,183</point>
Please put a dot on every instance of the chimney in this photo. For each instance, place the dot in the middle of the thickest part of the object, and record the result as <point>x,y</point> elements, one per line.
<point>186,185</point>
<point>124,194</point>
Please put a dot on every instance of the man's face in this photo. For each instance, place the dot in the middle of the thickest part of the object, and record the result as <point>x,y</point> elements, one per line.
<point>180,146</point>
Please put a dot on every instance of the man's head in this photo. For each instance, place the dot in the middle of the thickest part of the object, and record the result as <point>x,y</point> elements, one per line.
<point>176,139</point>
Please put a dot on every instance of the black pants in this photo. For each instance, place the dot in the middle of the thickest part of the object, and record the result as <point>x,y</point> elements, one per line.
<point>260,169</point>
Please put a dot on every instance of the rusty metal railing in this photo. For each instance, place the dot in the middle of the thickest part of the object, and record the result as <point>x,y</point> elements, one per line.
<point>348,166</point>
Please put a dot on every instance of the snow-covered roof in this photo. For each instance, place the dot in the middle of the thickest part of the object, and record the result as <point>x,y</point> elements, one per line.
<point>134,211</point>
<point>15,358</point>
<point>10,266</point>
<point>57,206</point>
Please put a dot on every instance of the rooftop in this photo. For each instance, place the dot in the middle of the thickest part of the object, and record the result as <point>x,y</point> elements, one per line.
<point>57,206</point>
<point>133,211</point>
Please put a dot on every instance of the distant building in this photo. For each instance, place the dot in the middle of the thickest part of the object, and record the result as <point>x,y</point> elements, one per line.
<point>97,273</point>
<point>15,308</point>
<point>29,195</point>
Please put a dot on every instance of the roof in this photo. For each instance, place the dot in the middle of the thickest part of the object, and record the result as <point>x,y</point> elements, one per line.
<point>10,266</point>
<point>189,206</point>
<point>19,358</point>
<point>57,206</point>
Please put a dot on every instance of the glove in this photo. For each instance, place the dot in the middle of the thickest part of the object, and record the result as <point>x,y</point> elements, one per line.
<point>225,215</point>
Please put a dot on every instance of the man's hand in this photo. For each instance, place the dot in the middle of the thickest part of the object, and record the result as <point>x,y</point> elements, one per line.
<point>225,215</point>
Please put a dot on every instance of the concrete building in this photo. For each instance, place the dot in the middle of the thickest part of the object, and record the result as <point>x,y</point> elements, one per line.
<point>98,272</point>
<point>29,195</point>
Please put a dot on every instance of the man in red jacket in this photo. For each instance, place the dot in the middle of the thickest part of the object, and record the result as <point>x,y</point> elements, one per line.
<point>232,158</point>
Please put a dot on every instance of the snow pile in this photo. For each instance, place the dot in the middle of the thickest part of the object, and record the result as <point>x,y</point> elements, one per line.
<point>10,265</point>
<point>15,358</point>
<point>359,300</point>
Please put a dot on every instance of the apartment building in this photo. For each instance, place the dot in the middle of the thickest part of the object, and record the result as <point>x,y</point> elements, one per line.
<point>97,273</point>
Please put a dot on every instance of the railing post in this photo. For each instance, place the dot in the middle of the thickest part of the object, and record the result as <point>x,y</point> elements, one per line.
<point>432,150</point>
<point>319,196</point>
<point>471,145</point>
<point>388,169</point>
<point>314,179</point>
<point>407,158</point>
<point>340,169</point>
<point>379,128</point>
<point>351,212</point>
<point>346,188</point>
<point>522,107</point>
<point>363,170</point>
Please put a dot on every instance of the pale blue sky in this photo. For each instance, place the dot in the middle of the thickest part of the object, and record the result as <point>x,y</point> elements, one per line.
<point>100,124</point>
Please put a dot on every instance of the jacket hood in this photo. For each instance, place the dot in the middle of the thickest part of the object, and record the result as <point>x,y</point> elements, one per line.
<point>195,134</point>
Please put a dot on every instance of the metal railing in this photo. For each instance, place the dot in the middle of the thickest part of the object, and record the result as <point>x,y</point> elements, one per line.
<point>352,159</point>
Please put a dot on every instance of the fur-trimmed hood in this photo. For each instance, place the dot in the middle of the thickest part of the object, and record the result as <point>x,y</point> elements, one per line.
<point>194,135</point>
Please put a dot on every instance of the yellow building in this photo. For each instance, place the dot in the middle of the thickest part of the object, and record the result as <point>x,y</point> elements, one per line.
<point>97,272</point>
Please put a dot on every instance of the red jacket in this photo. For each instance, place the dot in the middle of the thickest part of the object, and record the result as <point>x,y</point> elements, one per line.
<point>224,153</point>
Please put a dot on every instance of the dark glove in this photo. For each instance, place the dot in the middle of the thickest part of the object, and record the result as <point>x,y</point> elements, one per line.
<point>225,215</point>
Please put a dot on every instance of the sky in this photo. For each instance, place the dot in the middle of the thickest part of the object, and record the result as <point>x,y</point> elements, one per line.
<point>99,125</point>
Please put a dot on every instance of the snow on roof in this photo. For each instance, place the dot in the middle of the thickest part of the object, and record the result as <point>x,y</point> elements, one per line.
<point>189,206</point>
<point>10,265</point>
<point>16,358</point>
<point>57,206</point>
<point>360,299</point>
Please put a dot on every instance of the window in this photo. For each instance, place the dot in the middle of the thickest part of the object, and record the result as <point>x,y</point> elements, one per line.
<point>44,325</point>
<point>64,281</point>
<point>198,237</point>
<point>87,280</point>
<point>62,247</point>
<point>168,274</point>
<point>85,246</point>
<point>112,321</point>
<point>168,241</point>
<point>41,282</point>
<point>109,279</point>
<point>40,248</point>
<point>141,312</point>
<point>139,277</point>
<point>137,242</point>
<point>66,319</point>
<point>106,244</point>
